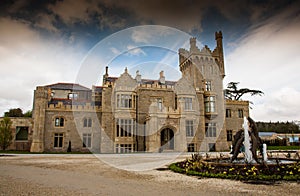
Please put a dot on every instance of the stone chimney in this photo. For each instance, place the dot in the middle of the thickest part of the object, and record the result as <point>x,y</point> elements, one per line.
<point>162,79</point>
<point>138,77</point>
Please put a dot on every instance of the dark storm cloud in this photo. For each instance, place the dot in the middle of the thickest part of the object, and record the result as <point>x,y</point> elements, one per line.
<point>84,19</point>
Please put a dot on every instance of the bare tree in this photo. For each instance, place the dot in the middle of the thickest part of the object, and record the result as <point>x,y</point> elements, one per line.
<point>233,93</point>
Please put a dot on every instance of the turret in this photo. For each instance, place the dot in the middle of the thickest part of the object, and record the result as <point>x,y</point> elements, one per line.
<point>193,46</point>
<point>219,40</point>
<point>41,95</point>
<point>105,76</point>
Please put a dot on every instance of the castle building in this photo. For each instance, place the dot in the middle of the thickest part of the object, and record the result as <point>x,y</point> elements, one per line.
<point>132,114</point>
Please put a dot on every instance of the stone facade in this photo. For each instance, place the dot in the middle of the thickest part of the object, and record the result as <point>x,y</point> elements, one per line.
<point>128,114</point>
<point>22,129</point>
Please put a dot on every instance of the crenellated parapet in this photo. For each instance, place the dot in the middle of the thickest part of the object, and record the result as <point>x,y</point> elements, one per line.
<point>156,86</point>
<point>204,56</point>
<point>237,102</point>
<point>60,106</point>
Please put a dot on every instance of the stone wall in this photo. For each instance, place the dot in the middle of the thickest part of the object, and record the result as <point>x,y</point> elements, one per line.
<point>24,125</point>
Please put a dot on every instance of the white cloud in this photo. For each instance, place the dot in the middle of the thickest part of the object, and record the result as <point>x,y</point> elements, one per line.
<point>115,50</point>
<point>135,51</point>
<point>29,60</point>
<point>151,33</point>
<point>267,59</point>
<point>281,105</point>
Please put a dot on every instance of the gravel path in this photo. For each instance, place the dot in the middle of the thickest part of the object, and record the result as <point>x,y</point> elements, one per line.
<point>87,175</point>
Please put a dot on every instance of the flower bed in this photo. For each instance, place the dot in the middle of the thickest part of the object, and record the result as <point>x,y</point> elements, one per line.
<point>244,172</point>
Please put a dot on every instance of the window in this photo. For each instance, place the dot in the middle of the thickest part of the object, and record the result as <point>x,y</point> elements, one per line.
<point>159,104</point>
<point>87,122</point>
<point>212,147</point>
<point>21,133</point>
<point>211,129</point>
<point>87,140</point>
<point>59,121</point>
<point>228,113</point>
<point>125,101</point>
<point>125,127</point>
<point>211,70</point>
<point>202,69</point>
<point>207,85</point>
<point>123,148</point>
<point>209,103</point>
<point>229,135</point>
<point>189,127</point>
<point>188,103</point>
<point>73,96</point>
<point>191,147</point>
<point>240,113</point>
<point>58,140</point>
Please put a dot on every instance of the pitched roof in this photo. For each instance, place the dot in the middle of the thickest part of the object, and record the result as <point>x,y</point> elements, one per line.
<point>68,86</point>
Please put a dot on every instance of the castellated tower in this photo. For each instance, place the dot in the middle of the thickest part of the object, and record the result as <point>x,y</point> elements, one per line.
<point>39,112</point>
<point>218,52</point>
<point>204,69</point>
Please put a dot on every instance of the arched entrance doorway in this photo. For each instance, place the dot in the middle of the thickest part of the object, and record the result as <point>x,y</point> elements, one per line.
<point>167,139</point>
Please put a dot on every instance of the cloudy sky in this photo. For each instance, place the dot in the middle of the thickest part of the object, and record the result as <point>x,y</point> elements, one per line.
<point>44,42</point>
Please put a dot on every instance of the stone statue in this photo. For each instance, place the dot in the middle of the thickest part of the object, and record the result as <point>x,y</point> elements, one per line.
<point>239,138</point>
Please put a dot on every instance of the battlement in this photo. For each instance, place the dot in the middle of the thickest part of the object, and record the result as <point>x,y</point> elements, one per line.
<point>70,107</point>
<point>219,35</point>
<point>236,102</point>
<point>156,86</point>
<point>183,51</point>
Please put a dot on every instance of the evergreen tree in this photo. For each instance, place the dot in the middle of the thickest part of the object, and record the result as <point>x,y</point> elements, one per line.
<point>15,112</point>
<point>5,133</point>
<point>233,93</point>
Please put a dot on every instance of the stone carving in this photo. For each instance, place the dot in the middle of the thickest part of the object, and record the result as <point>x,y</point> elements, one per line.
<point>238,142</point>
